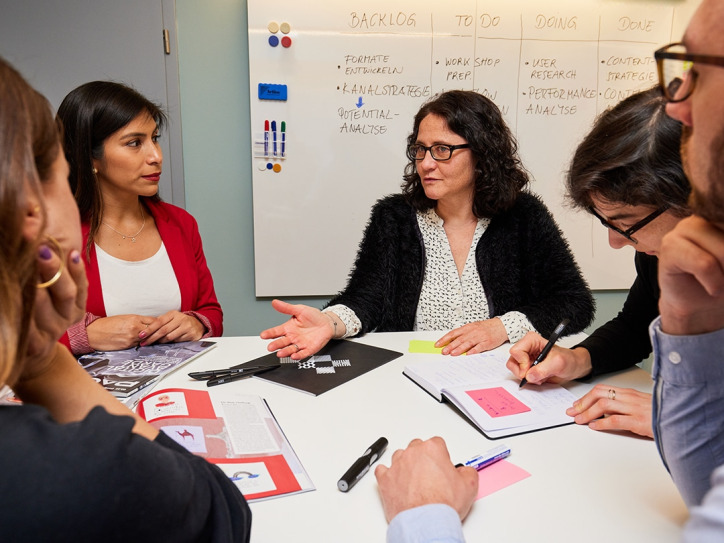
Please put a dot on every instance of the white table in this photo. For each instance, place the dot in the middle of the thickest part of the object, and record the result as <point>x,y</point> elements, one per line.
<point>584,485</point>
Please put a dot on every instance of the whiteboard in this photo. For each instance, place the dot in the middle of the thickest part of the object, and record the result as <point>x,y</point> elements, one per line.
<point>355,74</point>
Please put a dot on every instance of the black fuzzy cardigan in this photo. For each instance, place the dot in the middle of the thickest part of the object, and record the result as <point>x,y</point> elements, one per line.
<point>524,265</point>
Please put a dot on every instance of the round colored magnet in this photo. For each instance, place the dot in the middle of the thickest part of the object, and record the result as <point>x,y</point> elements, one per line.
<point>274,41</point>
<point>273,27</point>
<point>286,41</point>
<point>269,165</point>
<point>285,28</point>
<point>277,168</point>
<point>261,165</point>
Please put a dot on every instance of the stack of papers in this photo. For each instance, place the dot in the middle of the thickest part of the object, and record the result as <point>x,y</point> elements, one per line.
<point>126,373</point>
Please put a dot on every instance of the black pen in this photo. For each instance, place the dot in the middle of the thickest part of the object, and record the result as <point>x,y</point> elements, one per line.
<point>227,378</point>
<point>552,341</point>
<point>362,465</point>
<point>210,374</point>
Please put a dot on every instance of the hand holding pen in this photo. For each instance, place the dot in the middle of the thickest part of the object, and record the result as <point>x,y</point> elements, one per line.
<point>561,365</point>
<point>546,349</point>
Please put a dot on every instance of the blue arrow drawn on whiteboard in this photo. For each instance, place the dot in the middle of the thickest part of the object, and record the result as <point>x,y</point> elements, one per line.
<point>359,102</point>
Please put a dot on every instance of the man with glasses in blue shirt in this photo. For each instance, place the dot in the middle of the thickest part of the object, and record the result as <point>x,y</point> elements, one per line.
<point>688,337</point>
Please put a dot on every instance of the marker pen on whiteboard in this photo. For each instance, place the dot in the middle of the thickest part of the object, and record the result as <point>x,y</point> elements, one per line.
<point>266,138</point>
<point>274,137</point>
<point>284,136</point>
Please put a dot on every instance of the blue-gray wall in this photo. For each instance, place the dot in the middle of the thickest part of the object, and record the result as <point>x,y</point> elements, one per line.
<point>214,83</point>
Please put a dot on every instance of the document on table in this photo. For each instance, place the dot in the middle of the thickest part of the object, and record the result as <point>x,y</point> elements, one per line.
<point>484,391</point>
<point>237,432</point>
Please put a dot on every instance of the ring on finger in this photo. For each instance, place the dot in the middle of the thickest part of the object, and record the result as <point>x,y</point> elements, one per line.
<point>53,245</point>
<point>297,347</point>
<point>611,394</point>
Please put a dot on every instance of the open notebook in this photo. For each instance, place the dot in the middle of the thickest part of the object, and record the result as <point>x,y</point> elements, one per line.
<point>483,390</point>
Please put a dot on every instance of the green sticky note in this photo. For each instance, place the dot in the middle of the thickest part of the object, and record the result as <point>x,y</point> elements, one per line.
<point>420,346</point>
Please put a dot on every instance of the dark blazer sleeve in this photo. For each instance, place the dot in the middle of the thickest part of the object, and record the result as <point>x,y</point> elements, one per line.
<point>624,340</point>
<point>527,266</point>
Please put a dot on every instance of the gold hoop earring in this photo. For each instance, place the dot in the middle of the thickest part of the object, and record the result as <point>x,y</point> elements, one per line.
<point>53,280</point>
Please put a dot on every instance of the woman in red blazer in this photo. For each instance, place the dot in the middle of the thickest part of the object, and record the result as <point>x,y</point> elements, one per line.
<point>147,273</point>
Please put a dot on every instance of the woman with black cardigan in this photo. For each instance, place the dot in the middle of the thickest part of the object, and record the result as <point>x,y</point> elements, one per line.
<point>464,249</point>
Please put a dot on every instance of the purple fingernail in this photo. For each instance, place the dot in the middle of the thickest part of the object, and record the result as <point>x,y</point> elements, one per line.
<point>75,256</point>
<point>45,252</point>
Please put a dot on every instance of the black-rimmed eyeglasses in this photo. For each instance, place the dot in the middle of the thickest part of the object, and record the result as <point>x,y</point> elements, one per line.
<point>437,152</point>
<point>677,78</point>
<point>628,233</point>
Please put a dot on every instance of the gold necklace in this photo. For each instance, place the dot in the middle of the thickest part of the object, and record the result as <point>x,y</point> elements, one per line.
<point>134,236</point>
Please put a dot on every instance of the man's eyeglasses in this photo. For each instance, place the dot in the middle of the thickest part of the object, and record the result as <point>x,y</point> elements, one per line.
<point>677,77</point>
<point>628,233</point>
<point>437,152</point>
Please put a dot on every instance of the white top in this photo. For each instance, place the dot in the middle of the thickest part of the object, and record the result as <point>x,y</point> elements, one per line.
<point>147,287</point>
<point>449,300</point>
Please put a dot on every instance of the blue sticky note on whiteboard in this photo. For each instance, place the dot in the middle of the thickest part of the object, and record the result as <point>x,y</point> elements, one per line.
<point>270,91</point>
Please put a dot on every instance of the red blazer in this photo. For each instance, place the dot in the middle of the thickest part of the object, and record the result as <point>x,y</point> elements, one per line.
<point>180,233</point>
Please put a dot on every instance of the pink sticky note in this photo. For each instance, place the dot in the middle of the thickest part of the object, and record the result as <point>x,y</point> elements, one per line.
<point>497,476</point>
<point>497,402</point>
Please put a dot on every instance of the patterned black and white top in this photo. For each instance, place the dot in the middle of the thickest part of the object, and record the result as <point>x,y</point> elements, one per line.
<point>447,300</point>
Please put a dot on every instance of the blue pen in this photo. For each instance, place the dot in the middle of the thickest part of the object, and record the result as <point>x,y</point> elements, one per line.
<point>484,460</point>
<point>274,137</point>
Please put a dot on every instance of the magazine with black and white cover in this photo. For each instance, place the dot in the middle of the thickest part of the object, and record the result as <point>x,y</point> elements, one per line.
<point>124,373</point>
